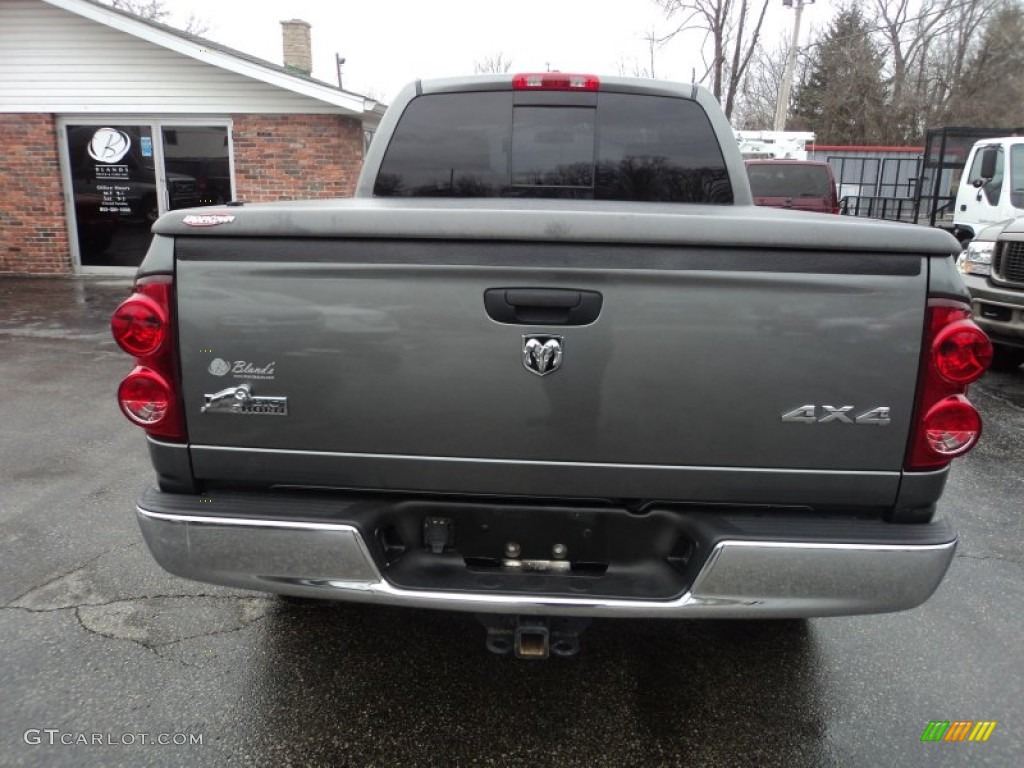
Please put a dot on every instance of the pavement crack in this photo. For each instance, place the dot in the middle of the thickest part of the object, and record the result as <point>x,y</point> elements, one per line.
<point>76,569</point>
<point>138,598</point>
<point>115,601</point>
<point>92,631</point>
<point>36,610</point>
<point>138,643</point>
<point>156,622</point>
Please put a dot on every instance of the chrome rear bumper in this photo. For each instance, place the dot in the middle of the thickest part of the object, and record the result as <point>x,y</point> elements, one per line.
<point>739,579</point>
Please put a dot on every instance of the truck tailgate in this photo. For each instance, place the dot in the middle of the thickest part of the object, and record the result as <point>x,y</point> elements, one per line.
<point>396,376</point>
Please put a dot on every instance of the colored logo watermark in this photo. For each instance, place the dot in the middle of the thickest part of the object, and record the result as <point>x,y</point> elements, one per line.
<point>958,730</point>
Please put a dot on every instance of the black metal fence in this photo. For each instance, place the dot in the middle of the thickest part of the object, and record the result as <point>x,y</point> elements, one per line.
<point>886,183</point>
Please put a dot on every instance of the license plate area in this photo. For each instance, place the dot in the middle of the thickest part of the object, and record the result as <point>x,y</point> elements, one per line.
<point>530,549</point>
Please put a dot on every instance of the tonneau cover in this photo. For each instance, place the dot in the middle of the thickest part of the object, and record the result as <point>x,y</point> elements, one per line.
<point>737,226</point>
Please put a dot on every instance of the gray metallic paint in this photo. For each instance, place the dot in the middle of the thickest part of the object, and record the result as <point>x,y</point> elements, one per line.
<point>159,258</point>
<point>402,360</point>
<point>173,466</point>
<point>455,475</point>
<point>945,280</point>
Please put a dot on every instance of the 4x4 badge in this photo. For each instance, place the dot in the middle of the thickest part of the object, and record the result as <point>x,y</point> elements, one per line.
<point>542,354</point>
<point>842,414</point>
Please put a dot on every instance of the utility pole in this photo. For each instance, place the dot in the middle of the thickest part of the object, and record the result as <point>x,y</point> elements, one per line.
<point>782,105</point>
<point>339,62</point>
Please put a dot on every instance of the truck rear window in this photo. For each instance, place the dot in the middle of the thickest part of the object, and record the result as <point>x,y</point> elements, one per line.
<point>789,180</point>
<point>623,147</point>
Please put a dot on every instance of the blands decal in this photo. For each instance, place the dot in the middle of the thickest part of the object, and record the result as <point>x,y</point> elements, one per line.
<point>241,369</point>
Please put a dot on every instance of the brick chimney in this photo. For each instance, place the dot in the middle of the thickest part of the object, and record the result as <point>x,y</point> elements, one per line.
<point>298,54</point>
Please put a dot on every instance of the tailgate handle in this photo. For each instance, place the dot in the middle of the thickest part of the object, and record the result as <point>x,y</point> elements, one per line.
<point>542,306</point>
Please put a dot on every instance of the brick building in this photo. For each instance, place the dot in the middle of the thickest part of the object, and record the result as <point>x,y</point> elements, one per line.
<point>107,121</point>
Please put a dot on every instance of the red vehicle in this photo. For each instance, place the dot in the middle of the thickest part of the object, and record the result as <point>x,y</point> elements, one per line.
<point>803,185</point>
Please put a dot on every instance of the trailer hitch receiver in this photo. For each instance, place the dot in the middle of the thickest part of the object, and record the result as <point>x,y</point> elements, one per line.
<point>533,637</point>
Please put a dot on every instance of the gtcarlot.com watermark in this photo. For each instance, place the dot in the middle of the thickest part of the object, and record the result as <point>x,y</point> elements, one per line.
<point>56,737</point>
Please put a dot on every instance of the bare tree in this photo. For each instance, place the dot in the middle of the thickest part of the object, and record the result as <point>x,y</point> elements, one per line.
<point>195,26</point>
<point>156,10</point>
<point>929,46</point>
<point>952,55</point>
<point>911,30</point>
<point>992,82</point>
<point>633,67</point>
<point>896,67</point>
<point>755,104</point>
<point>654,42</point>
<point>495,64</point>
<point>731,29</point>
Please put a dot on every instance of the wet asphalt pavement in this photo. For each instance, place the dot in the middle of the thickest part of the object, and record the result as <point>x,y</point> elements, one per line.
<point>96,639</point>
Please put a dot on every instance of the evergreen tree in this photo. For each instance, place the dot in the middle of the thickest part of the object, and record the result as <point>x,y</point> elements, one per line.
<point>842,96</point>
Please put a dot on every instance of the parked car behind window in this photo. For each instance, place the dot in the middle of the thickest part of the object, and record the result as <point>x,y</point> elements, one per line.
<point>800,184</point>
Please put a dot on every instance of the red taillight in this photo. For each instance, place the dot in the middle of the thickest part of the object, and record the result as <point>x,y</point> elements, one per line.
<point>139,325</point>
<point>555,81</point>
<point>956,352</point>
<point>952,427</point>
<point>142,327</point>
<point>145,397</point>
<point>962,352</point>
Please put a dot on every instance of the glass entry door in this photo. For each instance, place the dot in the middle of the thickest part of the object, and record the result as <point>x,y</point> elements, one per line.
<point>113,181</point>
<point>197,167</point>
<point>124,176</point>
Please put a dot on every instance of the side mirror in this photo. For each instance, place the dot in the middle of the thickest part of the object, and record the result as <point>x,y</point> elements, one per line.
<point>989,155</point>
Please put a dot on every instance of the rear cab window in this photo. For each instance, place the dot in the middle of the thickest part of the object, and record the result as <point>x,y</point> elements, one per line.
<point>789,180</point>
<point>597,146</point>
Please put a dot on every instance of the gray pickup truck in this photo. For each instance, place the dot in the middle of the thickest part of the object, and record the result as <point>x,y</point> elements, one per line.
<point>551,363</point>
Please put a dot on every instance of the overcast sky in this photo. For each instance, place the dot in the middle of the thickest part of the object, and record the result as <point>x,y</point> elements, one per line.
<point>388,43</point>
